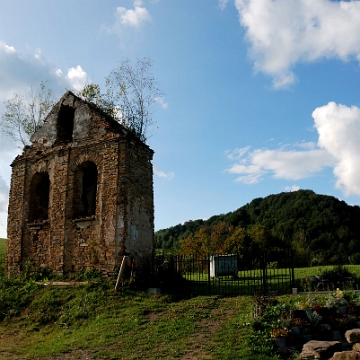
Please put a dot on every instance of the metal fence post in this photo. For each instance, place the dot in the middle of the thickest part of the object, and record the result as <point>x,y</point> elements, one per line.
<point>264,275</point>
<point>209,279</point>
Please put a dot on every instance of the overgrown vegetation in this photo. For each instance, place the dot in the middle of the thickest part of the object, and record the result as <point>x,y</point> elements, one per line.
<point>2,246</point>
<point>94,321</point>
<point>320,230</point>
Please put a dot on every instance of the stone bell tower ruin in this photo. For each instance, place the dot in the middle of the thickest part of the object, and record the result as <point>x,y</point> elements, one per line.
<point>81,195</point>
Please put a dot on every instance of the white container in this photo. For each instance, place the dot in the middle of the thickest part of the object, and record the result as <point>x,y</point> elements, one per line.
<point>223,265</point>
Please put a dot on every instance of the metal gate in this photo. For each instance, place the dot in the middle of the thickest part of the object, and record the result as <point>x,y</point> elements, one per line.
<point>222,274</point>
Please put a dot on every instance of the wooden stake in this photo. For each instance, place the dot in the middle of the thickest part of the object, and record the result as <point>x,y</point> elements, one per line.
<point>121,271</point>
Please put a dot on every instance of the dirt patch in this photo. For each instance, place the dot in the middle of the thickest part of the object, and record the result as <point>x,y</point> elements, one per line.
<point>205,329</point>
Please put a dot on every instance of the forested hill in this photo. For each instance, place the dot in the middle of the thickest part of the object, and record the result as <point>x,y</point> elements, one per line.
<point>320,228</point>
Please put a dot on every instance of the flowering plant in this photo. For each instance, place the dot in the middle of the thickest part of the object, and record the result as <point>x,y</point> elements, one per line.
<point>279,332</point>
<point>339,294</point>
<point>299,322</point>
<point>336,299</point>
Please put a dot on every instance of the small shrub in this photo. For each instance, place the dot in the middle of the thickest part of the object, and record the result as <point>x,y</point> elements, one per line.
<point>340,276</point>
<point>336,299</point>
<point>260,343</point>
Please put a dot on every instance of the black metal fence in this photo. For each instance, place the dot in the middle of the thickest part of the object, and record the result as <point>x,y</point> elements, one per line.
<point>223,274</point>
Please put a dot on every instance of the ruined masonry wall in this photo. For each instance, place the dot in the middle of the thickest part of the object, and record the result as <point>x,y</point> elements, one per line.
<point>139,207</point>
<point>15,218</point>
<point>123,222</point>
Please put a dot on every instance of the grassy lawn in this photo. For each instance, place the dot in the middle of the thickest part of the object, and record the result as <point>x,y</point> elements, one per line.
<point>100,324</point>
<point>94,322</point>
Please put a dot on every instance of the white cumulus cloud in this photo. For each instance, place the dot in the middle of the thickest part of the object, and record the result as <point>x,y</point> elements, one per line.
<point>292,188</point>
<point>130,18</point>
<point>282,33</point>
<point>77,77</point>
<point>338,147</point>
<point>339,133</point>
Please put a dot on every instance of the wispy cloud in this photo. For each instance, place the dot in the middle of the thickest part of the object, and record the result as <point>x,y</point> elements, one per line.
<point>338,147</point>
<point>4,195</point>
<point>162,102</point>
<point>281,163</point>
<point>282,33</point>
<point>166,175</point>
<point>223,3</point>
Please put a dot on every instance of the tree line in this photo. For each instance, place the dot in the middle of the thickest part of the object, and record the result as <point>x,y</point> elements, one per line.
<point>313,229</point>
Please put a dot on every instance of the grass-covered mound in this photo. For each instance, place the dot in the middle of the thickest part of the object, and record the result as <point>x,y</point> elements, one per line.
<point>94,321</point>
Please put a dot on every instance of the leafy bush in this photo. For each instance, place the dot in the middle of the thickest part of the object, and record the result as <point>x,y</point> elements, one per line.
<point>336,299</point>
<point>340,276</point>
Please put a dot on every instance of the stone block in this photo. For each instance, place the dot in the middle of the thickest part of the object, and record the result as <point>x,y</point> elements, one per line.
<point>352,336</point>
<point>346,355</point>
<point>320,349</point>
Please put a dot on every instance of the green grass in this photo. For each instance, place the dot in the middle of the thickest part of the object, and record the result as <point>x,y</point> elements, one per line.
<point>277,279</point>
<point>94,322</point>
<point>317,270</point>
<point>2,246</point>
<point>128,325</point>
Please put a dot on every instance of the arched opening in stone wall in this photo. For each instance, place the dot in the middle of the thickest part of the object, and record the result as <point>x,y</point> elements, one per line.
<point>85,189</point>
<point>65,123</point>
<point>39,197</point>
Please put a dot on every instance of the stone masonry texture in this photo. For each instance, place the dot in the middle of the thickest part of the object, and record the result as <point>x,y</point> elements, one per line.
<point>81,196</point>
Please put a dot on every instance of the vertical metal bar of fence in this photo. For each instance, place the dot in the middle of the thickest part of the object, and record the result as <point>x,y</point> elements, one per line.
<point>292,281</point>
<point>209,278</point>
<point>195,271</point>
<point>264,274</point>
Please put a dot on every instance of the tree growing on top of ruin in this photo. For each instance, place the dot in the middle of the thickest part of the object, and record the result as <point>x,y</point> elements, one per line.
<point>131,94</point>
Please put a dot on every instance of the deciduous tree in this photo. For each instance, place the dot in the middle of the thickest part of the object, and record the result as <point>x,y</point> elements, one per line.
<point>24,114</point>
<point>132,92</point>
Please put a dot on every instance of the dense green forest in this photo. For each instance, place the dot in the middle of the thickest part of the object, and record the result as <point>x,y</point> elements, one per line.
<point>319,230</point>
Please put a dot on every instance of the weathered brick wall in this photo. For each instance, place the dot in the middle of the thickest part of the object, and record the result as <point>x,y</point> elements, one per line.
<point>16,218</point>
<point>91,241</point>
<point>122,222</point>
<point>140,206</point>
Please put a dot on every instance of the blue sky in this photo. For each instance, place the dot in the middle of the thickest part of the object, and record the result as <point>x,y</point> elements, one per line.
<point>260,96</point>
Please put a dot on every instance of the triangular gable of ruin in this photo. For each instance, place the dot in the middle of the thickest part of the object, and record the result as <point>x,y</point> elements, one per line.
<point>73,119</point>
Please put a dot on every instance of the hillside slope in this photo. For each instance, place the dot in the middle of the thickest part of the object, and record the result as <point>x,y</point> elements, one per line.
<point>320,228</point>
